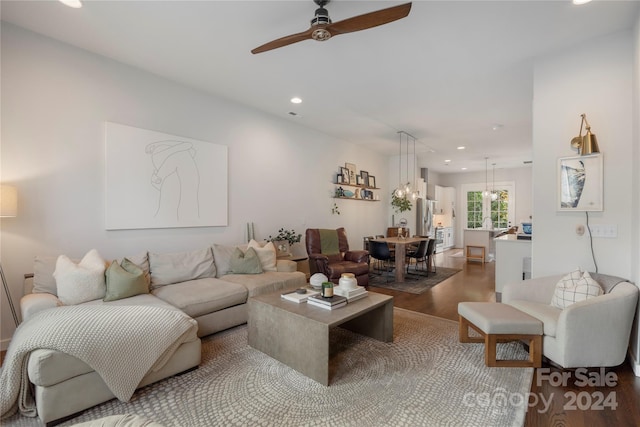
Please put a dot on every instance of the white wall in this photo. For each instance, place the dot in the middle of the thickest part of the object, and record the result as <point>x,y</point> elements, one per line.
<point>635,194</point>
<point>55,100</point>
<point>596,78</point>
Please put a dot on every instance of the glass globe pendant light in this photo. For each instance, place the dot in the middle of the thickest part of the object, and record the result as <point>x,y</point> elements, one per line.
<point>494,193</point>
<point>486,192</point>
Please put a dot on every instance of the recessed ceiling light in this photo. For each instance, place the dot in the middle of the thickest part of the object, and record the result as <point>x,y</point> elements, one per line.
<point>462,147</point>
<point>579,2</point>
<point>76,4</point>
<point>447,161</point>
<point>497,126</point>
<point>464,169</point>
<point>296,100</point>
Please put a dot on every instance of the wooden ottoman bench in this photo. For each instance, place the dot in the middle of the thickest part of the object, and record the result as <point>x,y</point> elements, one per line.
<point>498,322</point>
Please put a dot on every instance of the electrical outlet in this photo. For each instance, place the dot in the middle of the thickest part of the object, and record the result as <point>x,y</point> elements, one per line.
<point>580,229</point>
<point>604,231</point>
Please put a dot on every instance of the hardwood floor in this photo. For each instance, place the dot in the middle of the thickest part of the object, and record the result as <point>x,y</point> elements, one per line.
<point>577,402</point>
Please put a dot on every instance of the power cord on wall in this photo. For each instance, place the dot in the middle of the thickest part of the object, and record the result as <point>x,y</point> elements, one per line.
<point>591,242</point>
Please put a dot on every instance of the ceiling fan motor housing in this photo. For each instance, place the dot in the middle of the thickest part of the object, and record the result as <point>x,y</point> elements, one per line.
<point>321,18</point>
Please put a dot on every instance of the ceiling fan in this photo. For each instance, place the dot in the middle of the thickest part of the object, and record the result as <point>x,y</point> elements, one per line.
<point>323,29</point>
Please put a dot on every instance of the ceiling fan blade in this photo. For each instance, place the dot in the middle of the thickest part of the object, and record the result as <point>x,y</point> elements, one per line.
<point>284,41</point>
<point>370,20</point>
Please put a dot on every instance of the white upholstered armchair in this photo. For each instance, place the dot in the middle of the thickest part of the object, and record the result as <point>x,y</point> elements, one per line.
<point>590,333</point>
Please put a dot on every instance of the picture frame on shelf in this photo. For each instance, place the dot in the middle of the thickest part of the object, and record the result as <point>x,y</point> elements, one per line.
<point>580,183</point>
<point>345,175</point>
<point>358,180</point>
<point>340,179</point>
<point>372,181</point>
<point>365,177</point>
<point>352,172</point>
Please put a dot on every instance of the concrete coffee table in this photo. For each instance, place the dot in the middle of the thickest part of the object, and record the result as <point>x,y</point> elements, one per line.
<point>298,334</point>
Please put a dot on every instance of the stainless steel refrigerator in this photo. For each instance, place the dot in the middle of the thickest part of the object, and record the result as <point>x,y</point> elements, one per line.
<point>424,217</point>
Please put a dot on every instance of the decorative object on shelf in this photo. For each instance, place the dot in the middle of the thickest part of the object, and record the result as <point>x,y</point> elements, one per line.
<point>358,193</point>
<point>348,193</point>
<point>335,210</point>
<point>8,209</point>
<point>587,144</point>
<point>372,181</point>
<point>364,177</point>
<point>317,280</point>
<point>580,183</point>
<point>352,173</point>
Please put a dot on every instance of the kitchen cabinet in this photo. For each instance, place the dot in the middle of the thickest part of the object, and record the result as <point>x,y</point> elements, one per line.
<point>445,239</point>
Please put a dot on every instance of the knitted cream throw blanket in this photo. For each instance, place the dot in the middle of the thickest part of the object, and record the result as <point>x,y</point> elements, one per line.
<point>121,343</point>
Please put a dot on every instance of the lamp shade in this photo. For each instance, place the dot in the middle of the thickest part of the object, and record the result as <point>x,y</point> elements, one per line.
<point>589,144</point>
<point>8,201</point>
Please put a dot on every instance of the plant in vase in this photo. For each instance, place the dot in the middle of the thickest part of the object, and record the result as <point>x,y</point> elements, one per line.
<point>284,240</point>
<point>400,204</point>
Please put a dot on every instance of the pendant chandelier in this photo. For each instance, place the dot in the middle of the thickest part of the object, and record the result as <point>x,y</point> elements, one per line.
<point>486,192</point>
<point>405,189</point>
<point>494,193</point>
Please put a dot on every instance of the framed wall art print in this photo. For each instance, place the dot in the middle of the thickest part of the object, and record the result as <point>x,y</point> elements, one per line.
<point>580,183</point>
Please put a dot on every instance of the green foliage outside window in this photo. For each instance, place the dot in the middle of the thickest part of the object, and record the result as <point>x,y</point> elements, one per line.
<point>499,209</point>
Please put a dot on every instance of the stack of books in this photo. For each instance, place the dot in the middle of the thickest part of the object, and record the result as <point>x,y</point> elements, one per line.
<point>296,297</point>
<point>330,303</point>
<point>351,294</point>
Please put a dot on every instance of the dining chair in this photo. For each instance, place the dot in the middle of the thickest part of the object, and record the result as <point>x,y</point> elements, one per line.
<point>379,251</point>
<point>419,255</point>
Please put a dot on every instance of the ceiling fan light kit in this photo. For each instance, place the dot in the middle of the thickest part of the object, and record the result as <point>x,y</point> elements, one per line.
<point>322,28</point>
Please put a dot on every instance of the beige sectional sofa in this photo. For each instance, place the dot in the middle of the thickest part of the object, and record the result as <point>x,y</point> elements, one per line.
<point>201,283</point>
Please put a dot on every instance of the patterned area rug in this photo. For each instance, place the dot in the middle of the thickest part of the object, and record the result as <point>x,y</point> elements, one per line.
<point>424,378</point>
<point>415,282</point>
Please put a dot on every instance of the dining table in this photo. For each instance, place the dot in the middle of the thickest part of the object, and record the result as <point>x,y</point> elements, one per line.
<point>400,244</point>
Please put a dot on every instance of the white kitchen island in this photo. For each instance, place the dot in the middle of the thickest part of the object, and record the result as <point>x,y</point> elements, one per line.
<point>513,260</point>
<point>482,237</point>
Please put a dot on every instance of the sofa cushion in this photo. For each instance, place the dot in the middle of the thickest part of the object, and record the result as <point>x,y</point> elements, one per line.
<point>124,279</point>
<point>269,281</point>
<point>167,269</point>
<point>82,282</point>
<point>266,253</point>
<point>245,262</point>
<point>222,258</point>
<point>575,287</point>
<point>43,280</point>
<point>546,313</point>
<point>203,296</point>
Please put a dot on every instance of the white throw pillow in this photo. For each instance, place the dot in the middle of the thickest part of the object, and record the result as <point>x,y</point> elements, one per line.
<point>82,282</point>
<point>573,288</point>
<point>266,254</point>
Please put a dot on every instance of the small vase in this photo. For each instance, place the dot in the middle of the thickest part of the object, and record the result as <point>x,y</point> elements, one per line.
<point>348,281</point>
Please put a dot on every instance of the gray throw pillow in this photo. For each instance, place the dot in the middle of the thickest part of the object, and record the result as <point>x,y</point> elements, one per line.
<point>245,263</point>
<point>125,280</point>
<point>167,269</point>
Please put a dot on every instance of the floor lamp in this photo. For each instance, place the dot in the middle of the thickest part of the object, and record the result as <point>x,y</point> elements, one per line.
<point>8,209</point>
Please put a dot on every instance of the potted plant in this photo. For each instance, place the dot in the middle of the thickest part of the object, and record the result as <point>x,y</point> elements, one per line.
<point>284,240</point>
<point>400,204</point>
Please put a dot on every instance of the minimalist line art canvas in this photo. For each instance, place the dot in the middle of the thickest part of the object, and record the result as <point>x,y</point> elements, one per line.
<point>158,180</point>
<point>176,177</point>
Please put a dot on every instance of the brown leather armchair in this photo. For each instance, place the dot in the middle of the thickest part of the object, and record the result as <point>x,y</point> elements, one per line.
<point>341,261</point>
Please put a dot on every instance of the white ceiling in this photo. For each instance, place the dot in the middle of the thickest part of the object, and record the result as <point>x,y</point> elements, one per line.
<point>446,74</point>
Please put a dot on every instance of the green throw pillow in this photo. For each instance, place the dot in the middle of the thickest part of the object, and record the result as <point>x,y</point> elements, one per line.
<point>245,263</point>
<point>125,280</point>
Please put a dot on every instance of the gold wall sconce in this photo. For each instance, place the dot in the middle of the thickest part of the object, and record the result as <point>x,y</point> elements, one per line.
<point>587,144</point>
